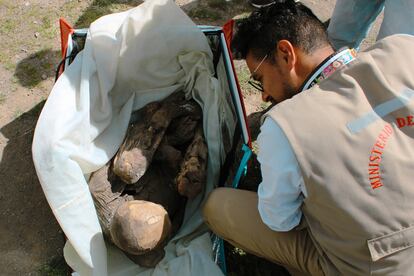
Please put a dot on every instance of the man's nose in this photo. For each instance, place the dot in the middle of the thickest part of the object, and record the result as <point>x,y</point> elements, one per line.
<point>265,97</point>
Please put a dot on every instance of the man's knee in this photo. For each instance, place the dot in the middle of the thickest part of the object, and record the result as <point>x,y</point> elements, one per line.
<point>213,204</point>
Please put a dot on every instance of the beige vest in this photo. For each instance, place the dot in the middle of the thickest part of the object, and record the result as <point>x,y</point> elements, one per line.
<point>353,136</point>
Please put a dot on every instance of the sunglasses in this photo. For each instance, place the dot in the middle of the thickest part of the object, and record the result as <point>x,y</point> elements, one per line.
<point>255,83</point>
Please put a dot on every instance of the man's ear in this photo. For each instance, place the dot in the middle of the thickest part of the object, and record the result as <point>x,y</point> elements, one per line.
<point>286,54</point>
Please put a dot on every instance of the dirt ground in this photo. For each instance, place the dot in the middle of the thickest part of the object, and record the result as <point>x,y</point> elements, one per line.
<point>31,241</point>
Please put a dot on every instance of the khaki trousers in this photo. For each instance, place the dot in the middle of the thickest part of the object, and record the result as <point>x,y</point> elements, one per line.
<point>233,215</point>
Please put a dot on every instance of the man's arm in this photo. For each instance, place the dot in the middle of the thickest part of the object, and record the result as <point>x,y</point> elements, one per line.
<point>282,189</point>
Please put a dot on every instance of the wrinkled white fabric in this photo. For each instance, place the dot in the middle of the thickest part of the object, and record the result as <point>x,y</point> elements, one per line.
<point>129,60</point>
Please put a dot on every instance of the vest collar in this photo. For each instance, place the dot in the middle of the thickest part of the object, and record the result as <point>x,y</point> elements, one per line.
<point>328,66</point>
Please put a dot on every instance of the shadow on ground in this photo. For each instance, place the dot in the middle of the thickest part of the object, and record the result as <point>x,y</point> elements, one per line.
<point>37,67</point>
<point>29,231</point>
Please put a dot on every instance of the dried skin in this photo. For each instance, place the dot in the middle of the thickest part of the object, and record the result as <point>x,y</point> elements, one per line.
<point>144,137</point>
<point>182,130</point>
<point>157,184</point>
<point>192,176</point>
<point>169,156</point>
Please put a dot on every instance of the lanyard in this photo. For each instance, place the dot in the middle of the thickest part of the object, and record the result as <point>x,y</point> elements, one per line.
<point>330,65</point>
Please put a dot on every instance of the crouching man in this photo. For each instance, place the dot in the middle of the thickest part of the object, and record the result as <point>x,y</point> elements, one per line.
<point>337,195</point>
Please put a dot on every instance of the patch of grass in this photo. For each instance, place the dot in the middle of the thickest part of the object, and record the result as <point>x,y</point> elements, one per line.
<point>69,7</point>
<point>49,33</point>
<point>47,29</point>
<point>243,75</point>
<point>46,66</point>
<point>40,55</point>
<point>120,7</point>
<point>2,57</point>
<point>97,9</point>
<point>100,8</point>
<point>33,11</point>
<point>2,98</point>
<point>32,70</point>
<point>90,15</point>
<point>218,4</point>
<point>240,2</point>
<point>10,5</point>
<point>8,65</point>
<point>14,87</point>
<point>204,13</point>
<point>7,26</point>
<point>17,114</point>
<point>46,22</point>
<point>56,267</point>
<point>102,3</point>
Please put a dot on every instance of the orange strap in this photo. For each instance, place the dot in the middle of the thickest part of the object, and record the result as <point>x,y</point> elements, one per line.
<point>65,31</point>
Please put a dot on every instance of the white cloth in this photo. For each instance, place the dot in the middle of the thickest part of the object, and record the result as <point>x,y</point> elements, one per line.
<point>129,60</point>
<point>282,189</point>
<point>352,19</point>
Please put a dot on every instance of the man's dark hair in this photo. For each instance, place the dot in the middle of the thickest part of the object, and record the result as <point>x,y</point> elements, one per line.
<point>285,19</point>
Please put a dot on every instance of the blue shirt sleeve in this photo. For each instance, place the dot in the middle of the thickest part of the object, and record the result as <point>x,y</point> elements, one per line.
<point>282,189</point>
